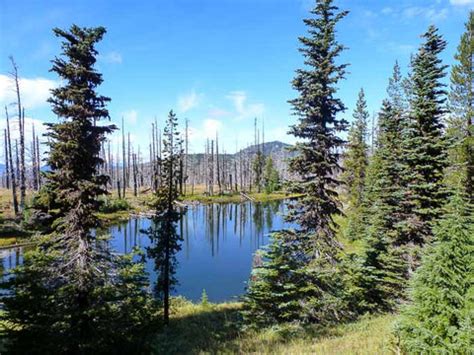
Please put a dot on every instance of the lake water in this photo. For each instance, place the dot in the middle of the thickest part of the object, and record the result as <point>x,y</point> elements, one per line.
<point>219,241</point>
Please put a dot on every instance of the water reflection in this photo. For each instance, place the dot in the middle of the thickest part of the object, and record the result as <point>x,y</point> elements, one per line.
<point>218,242</point>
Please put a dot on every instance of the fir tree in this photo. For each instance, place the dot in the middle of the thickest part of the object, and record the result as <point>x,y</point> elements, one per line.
<point>318,126</point>
<point>271,176</point>
<point>382,273</point>
<point>283,289</point>
<point>423,144</point>
<point>309,288</point>
<point>163,232</point>
<point>440,318</point>
<point>355,166</point>
<point>72,287</point>
<point>461,104</point>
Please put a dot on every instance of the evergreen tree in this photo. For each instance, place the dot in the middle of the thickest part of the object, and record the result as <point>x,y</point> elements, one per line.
<point>461,104</point>
<point>423,145</point>
<point>318,126</point>
<point>355,166</point>
<point>72,287</point>
<point>311,252</point>
<point>381,271</point>
<point>440,318</point>
<point>283,289</point>
<point>163,231</point>
<point>271,176</point>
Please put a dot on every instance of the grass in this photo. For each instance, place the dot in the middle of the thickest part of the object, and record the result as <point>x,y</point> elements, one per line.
<point>216,328</point>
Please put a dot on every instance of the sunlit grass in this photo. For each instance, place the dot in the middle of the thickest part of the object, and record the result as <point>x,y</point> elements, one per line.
<point>216,328</point>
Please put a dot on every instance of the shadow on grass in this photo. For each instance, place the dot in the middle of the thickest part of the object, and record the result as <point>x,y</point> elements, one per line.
<point>206,329</point>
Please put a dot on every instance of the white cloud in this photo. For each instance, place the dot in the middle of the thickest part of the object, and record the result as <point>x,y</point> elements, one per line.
<point>188,101</point>
<point>461,2</point>
<point>430,13</point>
<point>130,116</point>
<point>387,10</point>
<point>34,92</point>
<point>112,57</point>
<point>244,110</point>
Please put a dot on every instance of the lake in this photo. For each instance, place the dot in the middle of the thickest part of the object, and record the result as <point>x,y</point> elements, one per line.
<point>219,241</point>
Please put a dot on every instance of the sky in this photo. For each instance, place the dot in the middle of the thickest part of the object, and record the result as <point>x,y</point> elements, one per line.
<point>217,63</point>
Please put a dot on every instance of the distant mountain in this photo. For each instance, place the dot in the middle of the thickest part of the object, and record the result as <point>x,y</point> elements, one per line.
<point>2,168</point>
<point>268,148</point>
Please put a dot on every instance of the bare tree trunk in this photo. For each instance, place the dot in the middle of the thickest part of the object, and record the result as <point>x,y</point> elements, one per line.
<point>38,163</point>
<point>135,187</point>
<point>217,162</point>
<point>33,160</point>
<point>12,170</point>
<point>128,162</point>
<point>186,145</point>
<point>7,163</point>
<point>124,161</point>
<point>21,122</point>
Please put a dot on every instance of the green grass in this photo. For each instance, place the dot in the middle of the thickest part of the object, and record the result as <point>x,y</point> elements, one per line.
<point>216,328</point>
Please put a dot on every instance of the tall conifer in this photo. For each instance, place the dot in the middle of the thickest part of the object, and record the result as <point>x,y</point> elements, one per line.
<point>355,166</point>
<point>72,287</point>
<point>314,286</point>
<point>461,115</point>
<point>424,150</point>
<point>163,231</point>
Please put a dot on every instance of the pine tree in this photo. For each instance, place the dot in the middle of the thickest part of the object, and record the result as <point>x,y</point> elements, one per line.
<point>163,233</point>
<point>313,292</point>
<point>355,167</point>
<point>461,104</point>
<point>423,144</point>
<point>271,177</point>
<point>440,318</point>
<point>72,287</point>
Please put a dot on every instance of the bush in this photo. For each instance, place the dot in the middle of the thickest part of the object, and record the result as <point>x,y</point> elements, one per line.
<point>108,205</point>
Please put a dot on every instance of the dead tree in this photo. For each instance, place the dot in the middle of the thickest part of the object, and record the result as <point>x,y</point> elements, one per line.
<point>128,161</point>
<point>34,160</point>
<point>38,163</point>
<point>217,165</point>
<point>21,124</point>
<point>124,162</point>
<point>134,169</point>
<point>7,163</point>
<point>10,163</point>
<point>186,145</point>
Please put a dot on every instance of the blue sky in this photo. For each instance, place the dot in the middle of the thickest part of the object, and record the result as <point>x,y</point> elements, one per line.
<point>219,63</point>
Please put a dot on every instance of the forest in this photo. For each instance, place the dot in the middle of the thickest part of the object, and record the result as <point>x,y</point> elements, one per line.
<point>356,239</point>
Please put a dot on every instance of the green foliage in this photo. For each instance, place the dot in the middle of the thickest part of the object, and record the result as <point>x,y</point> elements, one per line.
<point>69,291</point>
<point>423,146</point>
<point>271,176</point>
<point>440,318</point>
<point>299,277</point>
<point>460,130</point>
<point>43,315</point>
<point>288,285</point>
<point>318,125</point>
<point>355,166</point>
<point>204,299</point>
<point>163,232</point>
<point>257,167</point>
<point>110,205</point>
